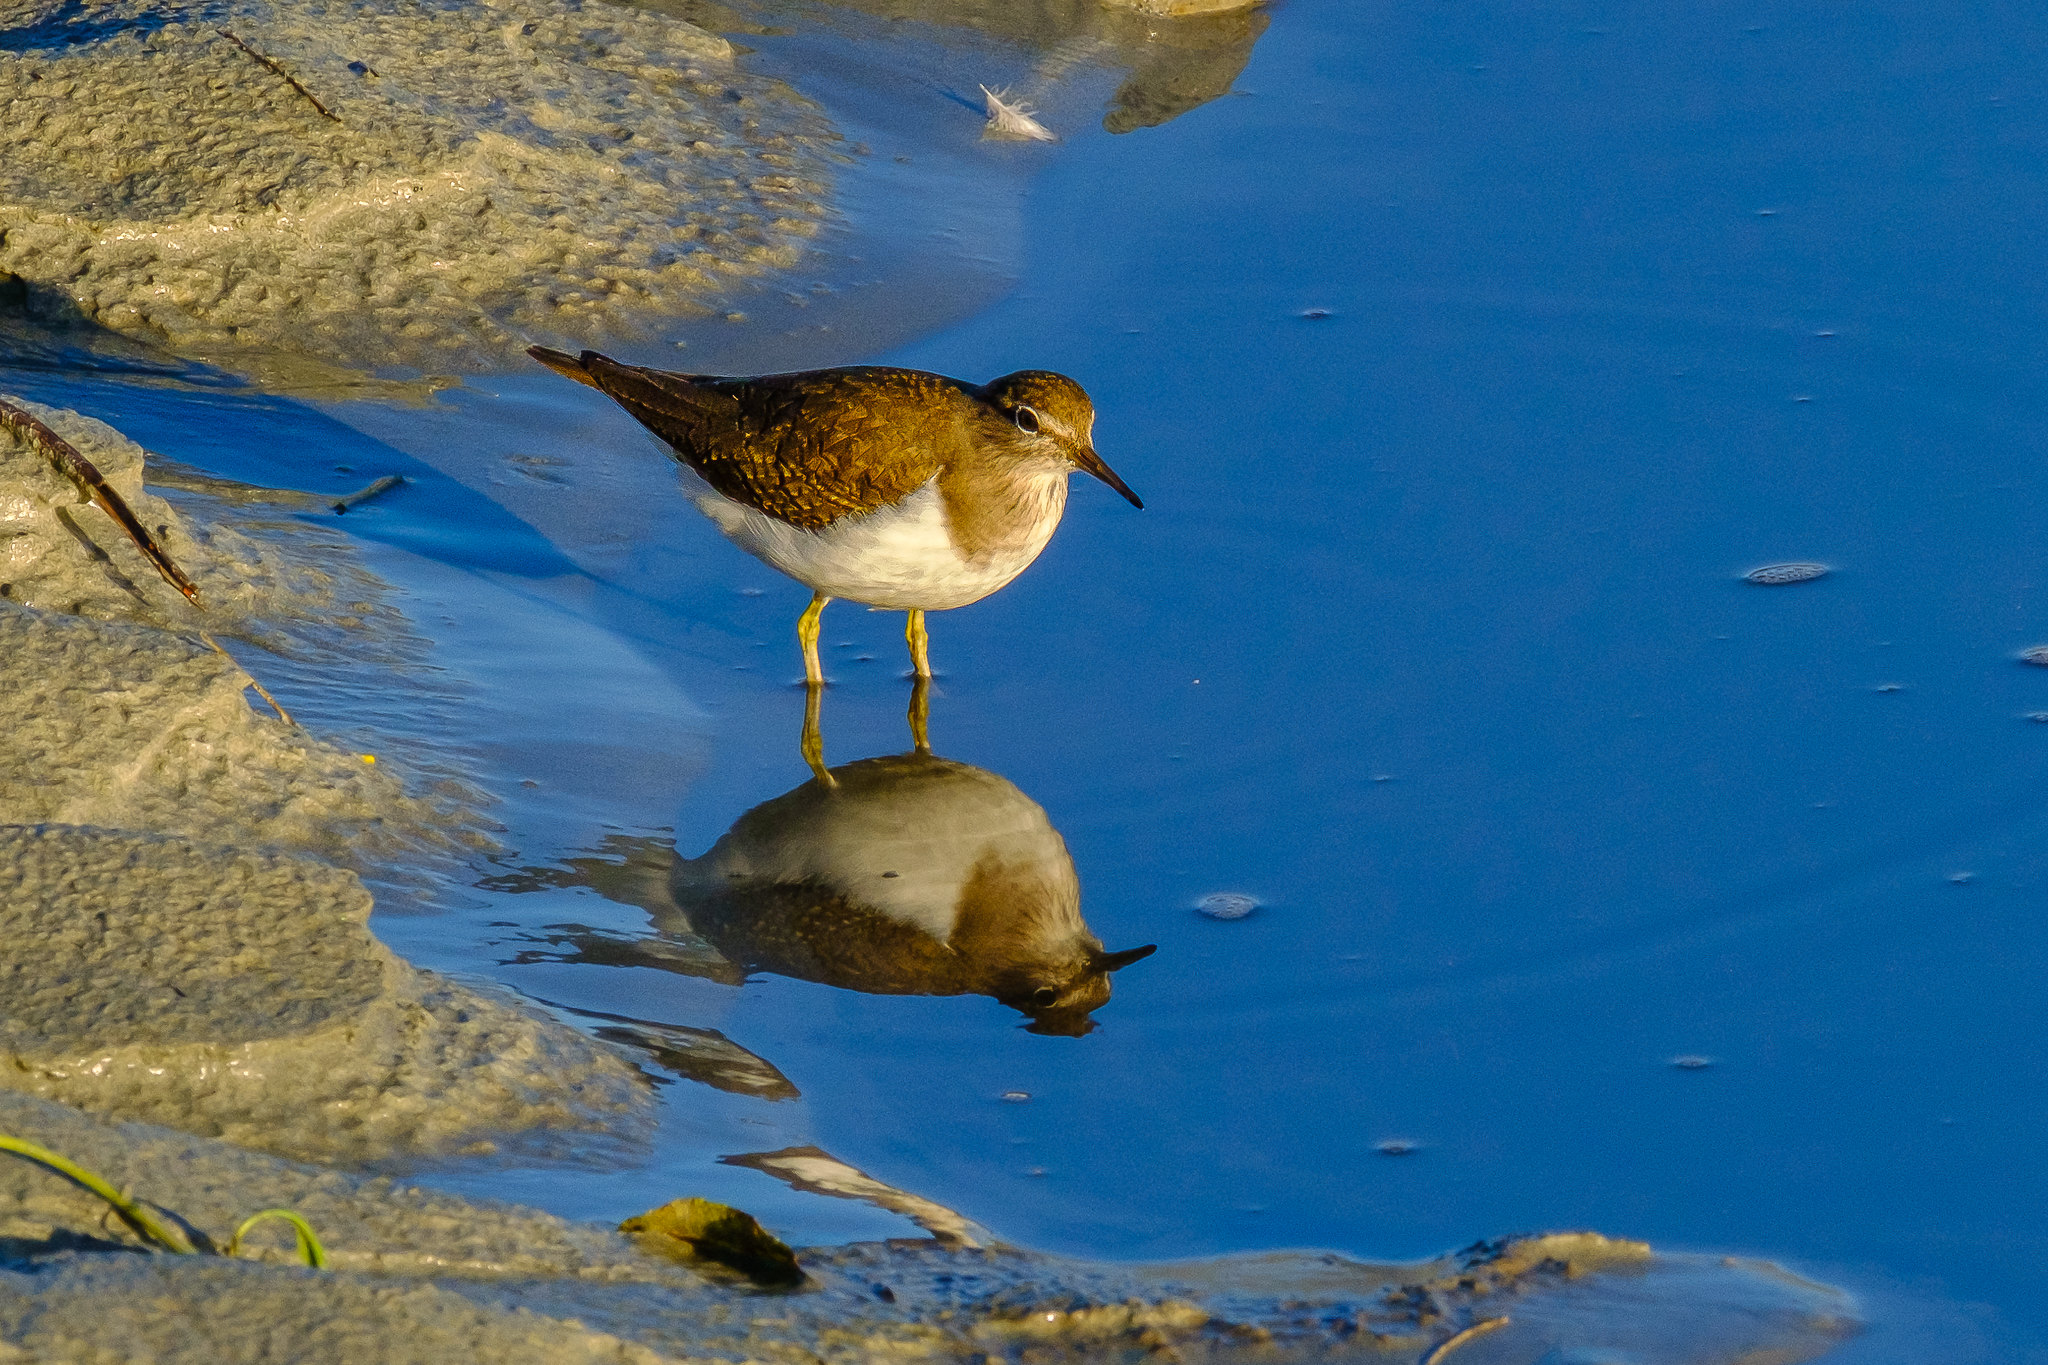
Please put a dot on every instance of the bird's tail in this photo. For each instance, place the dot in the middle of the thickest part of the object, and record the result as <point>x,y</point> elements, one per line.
<point>564,364</point>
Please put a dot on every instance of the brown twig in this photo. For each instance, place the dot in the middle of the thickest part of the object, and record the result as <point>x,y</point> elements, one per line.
<point>81,472</point>
<point>362,495</point>
<point>282,74</point>
<point>227,490</point>
<point>94,486</point>
<point>1444,1348</point>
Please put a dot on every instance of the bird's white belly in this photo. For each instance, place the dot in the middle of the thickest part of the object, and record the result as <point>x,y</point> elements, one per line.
<point>901,556</point>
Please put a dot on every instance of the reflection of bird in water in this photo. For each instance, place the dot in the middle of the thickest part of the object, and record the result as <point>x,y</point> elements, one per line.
<point>896,488</point>
<point>906,875</point>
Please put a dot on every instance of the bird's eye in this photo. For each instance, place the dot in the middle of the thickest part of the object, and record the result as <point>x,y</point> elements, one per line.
<point>1027,420</point>
<point>1044,995</point>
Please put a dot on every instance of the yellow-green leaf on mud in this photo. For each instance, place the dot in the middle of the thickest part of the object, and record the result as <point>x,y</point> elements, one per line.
<point>698,1229</point>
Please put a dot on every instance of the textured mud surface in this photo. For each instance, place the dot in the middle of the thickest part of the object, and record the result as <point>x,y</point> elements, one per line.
<point>421,1276</point>
<point>243,996</point>
<point>179,872</point>
<point>482,174</point>
<point>59,555</point>
<point>119,715</point>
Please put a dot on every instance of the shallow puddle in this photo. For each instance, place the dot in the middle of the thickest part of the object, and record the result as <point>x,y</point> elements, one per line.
<point>1467,364</point>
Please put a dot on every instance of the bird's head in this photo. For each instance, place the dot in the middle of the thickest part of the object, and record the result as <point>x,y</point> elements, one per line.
<point>1060,994</point>
<point>1053,415</point>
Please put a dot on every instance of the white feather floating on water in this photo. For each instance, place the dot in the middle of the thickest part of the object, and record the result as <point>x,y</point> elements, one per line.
<point>1013,120</point>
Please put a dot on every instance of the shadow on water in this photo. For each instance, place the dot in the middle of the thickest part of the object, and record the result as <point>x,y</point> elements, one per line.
<point>178,407</point>
<point>904,874</point>
<point>1168,65</point>
<point>1172,65</point>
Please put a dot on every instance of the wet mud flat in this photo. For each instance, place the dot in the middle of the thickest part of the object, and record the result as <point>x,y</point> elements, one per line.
<point>203,1003</point>
<point>194,986</point>
<point>417,1276</point>
<point>182,876</point>
<point>315,189</point>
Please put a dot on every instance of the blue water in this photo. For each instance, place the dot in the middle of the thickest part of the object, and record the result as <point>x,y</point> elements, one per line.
<point>1432,636</point>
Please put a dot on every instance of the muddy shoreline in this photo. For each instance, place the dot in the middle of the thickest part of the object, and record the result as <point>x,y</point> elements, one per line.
<point>354,193</point>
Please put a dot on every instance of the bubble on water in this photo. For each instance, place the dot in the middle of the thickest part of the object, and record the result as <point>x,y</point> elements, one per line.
<point>1016,1096</point>
<point>1774,575</point>
<point>1315,314</point>
<point>1226,905</point>
<point>2038,717</point>
<point>753,592</point>
<point>2037,655</point>
<point>1961,878</point>
<point>1036,1171</point>
<point>1889,687</point>
<point>1396,1147</point>
<point>1692,1061</point>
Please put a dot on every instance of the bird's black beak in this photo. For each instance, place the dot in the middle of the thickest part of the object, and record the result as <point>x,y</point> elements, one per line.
<point>1086,459</point>
<point>1113,962</point>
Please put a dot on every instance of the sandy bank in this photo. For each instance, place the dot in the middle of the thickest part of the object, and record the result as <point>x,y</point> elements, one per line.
<point>119,715</point>
<point>242,996</point>
<point>388,182</point>
<point>179,872</point>
<point>426,1277</point>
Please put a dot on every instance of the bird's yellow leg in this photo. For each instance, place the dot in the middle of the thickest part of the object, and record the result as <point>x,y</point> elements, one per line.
<point>807,628</point>
<point>913,633</point>
<point>921,714</point>
<point>814,735</point>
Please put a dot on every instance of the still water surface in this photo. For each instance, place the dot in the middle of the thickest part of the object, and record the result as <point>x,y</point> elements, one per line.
<point>1466,359</point>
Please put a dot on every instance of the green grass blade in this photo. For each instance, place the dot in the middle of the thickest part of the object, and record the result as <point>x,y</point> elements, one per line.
<point>310,1250</point>
<point>132,1213</point>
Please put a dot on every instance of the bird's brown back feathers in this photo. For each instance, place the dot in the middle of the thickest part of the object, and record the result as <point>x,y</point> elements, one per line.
<point>805,448</point>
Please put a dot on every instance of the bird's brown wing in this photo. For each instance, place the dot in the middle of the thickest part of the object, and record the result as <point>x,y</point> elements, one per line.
<point>805,448</point>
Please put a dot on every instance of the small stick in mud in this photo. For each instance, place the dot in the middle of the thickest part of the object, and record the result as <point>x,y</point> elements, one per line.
<point>227,490</point>
<point>362,495</point>
<point>94,486</point>
<point>81,472</point>
<point>261,690</point>
<point>1473,1333</point>
<point>283,74</point>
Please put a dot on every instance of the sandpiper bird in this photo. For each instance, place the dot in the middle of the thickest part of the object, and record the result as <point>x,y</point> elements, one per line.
<point>895,488</point>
